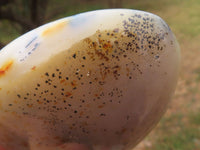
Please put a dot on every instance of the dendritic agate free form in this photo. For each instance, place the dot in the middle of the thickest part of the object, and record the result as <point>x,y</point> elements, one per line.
<point>100,79</point>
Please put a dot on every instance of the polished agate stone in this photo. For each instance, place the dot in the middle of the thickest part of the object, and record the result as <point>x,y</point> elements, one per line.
<point>99,80</point>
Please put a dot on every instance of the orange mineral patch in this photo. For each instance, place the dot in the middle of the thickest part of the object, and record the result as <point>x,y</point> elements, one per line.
<point>73,83</point>
<point>68,94</point>
<point>53,29</point>
<point>30,105</point>
<point>100,106</point>
<point>62,81</point>
<point>6,67</point>
<point>33,68</point>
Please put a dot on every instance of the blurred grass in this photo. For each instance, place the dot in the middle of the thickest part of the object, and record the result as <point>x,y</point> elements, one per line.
<point>185,139</point>
<point>7,32</point>
<point>177,135</point>
<point>179,129</point>
<point>195,118</point>
<point>198,74</point>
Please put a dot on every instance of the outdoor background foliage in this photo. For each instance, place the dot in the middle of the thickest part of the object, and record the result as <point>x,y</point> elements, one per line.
<point>179,129</point>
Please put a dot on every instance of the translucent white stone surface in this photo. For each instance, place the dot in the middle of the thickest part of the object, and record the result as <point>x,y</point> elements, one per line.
<point>98,80</point>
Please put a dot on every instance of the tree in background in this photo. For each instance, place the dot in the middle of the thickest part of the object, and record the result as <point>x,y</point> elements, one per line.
<point>25,15</point>
<point>115,3</point>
